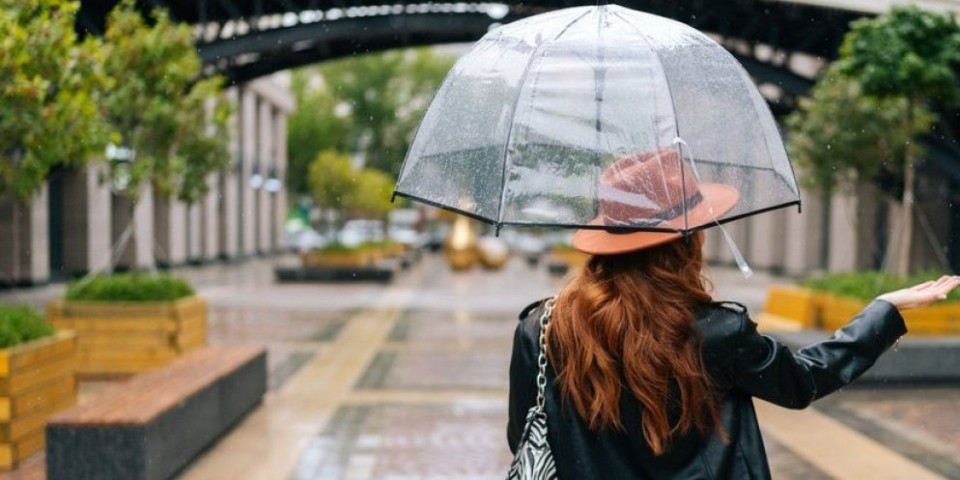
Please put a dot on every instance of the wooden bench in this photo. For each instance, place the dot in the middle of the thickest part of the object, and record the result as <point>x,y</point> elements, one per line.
<point>152,425</point>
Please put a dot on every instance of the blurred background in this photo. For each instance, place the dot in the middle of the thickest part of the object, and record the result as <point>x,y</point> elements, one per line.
<point>177,176</point>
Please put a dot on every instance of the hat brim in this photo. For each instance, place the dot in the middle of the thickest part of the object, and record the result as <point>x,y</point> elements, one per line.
<point>718,199</point>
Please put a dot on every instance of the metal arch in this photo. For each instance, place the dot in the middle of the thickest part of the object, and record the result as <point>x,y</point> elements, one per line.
<point>300,37</point>
<point>331,44</point>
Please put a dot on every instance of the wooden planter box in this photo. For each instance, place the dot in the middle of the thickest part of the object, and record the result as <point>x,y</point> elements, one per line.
<point>36,380</point>
<point>129,337</point>
<point>794,305</point>
<point>344,259</point>
<point>939,319</point>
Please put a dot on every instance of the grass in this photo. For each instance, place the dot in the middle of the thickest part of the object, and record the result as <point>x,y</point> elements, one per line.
<point>867,285</point>
<point>19,324</point>
<point>129,288</point>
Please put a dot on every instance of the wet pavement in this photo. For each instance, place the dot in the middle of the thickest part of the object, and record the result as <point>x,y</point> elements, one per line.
<point>409,380</point>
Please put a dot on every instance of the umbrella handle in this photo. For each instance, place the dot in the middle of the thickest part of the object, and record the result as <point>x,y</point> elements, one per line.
<point>742,264</point>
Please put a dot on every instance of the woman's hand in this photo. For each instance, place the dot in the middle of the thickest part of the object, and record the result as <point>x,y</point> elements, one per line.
<point>923,294</point>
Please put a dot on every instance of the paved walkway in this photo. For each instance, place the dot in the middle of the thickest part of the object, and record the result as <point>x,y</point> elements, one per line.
<point>408,380</point>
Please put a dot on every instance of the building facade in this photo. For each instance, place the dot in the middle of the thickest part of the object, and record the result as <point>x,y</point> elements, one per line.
<point>76,225</point>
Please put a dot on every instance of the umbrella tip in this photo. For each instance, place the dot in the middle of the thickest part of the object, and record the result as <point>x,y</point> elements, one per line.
<point>496,230</point>
<point>393,197</point>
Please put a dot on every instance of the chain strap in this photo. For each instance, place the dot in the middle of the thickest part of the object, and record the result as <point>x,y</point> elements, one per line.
<point>542,357</point>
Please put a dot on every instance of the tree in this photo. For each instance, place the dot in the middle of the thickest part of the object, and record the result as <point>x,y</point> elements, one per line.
<point>332,179</point>
<point>839,135</point>
<point>371,194</point>
<point>50,85</point>
<point>908,54</point>
<point>335,183</point>
<point>368,106</point>
<point>172,119</point>
<point>316,125</point>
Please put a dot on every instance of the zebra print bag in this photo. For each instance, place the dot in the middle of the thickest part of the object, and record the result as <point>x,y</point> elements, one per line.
<point>534,460</point>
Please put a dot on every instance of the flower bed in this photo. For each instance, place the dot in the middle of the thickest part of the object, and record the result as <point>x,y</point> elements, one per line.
<point>126,324</point>
<point>36,380</point>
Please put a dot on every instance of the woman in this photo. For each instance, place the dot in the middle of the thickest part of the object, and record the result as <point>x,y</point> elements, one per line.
<point>647,377</point>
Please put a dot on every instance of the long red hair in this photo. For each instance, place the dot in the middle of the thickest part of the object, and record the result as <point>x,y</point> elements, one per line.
<point>626,321</point>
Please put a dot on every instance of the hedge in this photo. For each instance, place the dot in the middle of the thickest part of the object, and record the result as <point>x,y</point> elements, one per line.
<point>129,288</point>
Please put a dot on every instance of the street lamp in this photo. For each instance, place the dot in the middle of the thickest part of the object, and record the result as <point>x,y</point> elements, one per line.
<point>120,158</point>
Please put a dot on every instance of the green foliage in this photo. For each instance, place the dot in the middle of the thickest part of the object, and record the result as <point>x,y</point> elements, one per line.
<point>19,324</point>
<point>172,119</point>
<point>129,288</point>
<point>839,134</point>
<point>368,105</point>
<point>868,285</point>
<point>49,89</point>
<point>336,183</point>
<point>907,52</point>
<point>337,247</point>
<point>315,126</point>
<point>371,194</point>
<point>332,179</point>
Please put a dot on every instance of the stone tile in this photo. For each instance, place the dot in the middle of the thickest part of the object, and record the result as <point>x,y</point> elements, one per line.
<point>920,424</point>
<point>473,369</point>
<point>458,327</point>
<point>786,465</point>
<point>457,440</point>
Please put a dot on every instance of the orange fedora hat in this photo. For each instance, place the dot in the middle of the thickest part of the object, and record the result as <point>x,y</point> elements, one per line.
<point>651,190</point>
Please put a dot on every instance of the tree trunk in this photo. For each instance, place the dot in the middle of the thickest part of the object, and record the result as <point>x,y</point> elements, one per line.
<point>906,218</point>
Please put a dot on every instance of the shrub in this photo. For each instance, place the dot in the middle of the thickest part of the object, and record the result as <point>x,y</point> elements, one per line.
<point>129,288</point>
<point>20,324</point>
<point>337,247</point>
<point>867,285</point>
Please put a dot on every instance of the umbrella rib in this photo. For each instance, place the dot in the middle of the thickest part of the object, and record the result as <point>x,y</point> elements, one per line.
<point>673,106</point>
<point>513,112</point>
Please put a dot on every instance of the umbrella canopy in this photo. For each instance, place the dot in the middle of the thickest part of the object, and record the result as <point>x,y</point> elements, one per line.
<point>599,117</point>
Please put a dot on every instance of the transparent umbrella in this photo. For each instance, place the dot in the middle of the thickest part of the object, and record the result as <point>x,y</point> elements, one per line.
<point>603,118</point>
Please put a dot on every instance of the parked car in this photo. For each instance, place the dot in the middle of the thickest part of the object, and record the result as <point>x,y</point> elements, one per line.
<point>356,232</point>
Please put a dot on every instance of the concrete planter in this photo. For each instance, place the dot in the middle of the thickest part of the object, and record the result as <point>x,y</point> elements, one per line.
<point>125,338</point>
<point>36,380</point>
<point>796,305</point>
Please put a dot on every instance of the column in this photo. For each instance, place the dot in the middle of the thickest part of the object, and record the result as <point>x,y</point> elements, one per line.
<point>86,220</point>
<point>266,154</point>
<point>248,156</point>
<point>842,233</point>
<point>803,243</point>
<point>228,194</point>
<point>170,231</point>
<point>137,253</point>
<point>24,236</point>
<point>210,220</point>
<point>281,204</point>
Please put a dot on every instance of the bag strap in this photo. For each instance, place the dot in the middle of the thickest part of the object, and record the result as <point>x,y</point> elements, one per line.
<point>542,356</point>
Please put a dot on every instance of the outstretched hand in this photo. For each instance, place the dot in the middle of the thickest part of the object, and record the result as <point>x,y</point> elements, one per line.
<point>923,294</point>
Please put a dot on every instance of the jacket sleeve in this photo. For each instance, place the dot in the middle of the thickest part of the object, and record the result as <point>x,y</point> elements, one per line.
<point>522,385</point>
<point>766,369</point>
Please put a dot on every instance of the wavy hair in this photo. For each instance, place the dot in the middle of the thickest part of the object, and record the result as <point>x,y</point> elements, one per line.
<point>626,321</point>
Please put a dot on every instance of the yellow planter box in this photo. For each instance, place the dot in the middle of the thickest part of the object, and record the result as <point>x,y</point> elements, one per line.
<point>125,338</point>
<point>796,305</point>
<point>569,257</point>
<point>343,259</point>
<point>939,319</point>
<point>36,380</point>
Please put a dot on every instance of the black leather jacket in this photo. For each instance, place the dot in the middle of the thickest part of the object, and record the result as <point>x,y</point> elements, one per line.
<point>742,363</point>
